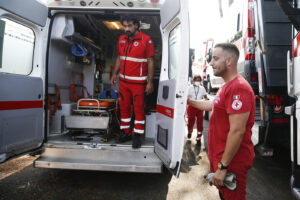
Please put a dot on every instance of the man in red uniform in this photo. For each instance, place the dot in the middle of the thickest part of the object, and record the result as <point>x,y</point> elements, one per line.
<point>136,66</point>
<point>196,92</point>
<point>230,148</point>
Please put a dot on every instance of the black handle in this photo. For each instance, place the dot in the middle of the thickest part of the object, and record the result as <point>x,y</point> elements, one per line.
<point>178,96</point>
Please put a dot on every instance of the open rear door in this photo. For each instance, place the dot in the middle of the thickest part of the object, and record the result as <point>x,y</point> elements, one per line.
<point>173,84</point>
<point>23,39</point>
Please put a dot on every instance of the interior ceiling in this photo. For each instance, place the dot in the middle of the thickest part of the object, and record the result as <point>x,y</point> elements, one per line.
<point>91,26</point>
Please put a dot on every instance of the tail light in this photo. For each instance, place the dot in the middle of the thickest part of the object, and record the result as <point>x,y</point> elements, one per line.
<point>250,39</point>
<point>204,72</point>
<point>253,76</point>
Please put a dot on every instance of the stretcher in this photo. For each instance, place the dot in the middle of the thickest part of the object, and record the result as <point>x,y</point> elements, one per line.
<point>93,116</point>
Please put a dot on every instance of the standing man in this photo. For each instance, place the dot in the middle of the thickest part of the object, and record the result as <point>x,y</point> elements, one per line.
<point>196,92</point>
<point>136,65</point>
<point>230,148</point>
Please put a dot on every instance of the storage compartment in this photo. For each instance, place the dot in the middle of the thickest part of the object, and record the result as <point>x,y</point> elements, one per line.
<point>86,74</point>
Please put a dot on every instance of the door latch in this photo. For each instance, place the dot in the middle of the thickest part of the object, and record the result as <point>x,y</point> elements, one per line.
<point>178,96</point>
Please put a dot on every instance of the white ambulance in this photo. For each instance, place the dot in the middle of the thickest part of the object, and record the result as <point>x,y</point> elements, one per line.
<point>51,54</point>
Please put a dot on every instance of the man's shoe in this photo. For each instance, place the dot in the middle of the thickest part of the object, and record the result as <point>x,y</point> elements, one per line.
<point>136,143</point>
<point>124,137</point>
<point>189,135</point>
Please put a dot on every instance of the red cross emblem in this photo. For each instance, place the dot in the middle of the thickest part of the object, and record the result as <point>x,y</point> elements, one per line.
<point>237,104</point>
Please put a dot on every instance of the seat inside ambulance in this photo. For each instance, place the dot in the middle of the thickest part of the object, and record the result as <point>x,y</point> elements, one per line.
<point>82,104</point>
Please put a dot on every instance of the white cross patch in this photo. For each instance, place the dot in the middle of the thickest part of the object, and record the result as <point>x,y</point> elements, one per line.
<point>237,104</point>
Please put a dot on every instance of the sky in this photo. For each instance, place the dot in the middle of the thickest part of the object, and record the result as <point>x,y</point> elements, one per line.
<point>204,22</point>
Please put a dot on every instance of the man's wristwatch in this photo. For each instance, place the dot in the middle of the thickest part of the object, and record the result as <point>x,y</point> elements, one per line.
<point>221,166</point>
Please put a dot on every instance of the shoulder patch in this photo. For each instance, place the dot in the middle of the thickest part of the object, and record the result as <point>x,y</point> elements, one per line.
<point>236,97</point>
<point>236,104</point>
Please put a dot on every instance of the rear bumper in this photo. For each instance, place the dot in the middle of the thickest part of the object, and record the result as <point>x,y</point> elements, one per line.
<point>119,158</point>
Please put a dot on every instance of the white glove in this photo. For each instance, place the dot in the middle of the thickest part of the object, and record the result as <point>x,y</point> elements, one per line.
<point>229,181</point>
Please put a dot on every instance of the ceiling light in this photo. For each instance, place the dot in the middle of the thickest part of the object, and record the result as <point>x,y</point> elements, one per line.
<point>113,25</point>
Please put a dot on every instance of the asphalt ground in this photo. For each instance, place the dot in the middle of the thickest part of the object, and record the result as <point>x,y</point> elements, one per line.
<point>268,179</point>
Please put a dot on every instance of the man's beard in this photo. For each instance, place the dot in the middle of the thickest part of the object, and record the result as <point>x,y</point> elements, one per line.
<point>129,34</point>
<point>221,71</point>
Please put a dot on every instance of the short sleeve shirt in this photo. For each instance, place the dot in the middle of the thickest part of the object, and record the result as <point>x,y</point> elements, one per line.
<point>196,92</point>
<point>235,97</point>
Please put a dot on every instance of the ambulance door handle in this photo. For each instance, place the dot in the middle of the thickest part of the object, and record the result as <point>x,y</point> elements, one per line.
<point>178,96</point>
<point>165,93</point>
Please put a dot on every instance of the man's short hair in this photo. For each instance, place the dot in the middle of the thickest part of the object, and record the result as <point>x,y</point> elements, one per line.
<point>230,48</point>
<point>131,18</point>
<point>197,76</point>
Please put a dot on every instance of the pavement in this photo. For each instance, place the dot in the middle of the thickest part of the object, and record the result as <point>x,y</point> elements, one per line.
<point>268,179</point>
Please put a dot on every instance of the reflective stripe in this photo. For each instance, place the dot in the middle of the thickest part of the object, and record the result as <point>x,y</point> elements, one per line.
<point>142,78</point>
<point>125,119</point>
<point>124,127</point>
<point>139,122</point>
<point>198,138</point>
<point>138,131</point>
<point>133,59</point>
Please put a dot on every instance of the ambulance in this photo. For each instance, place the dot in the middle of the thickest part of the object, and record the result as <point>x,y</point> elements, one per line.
<point>293,88</point>
<point>56,99</point>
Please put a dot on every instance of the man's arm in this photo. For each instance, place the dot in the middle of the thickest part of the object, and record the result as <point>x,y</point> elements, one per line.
<point>235,136</point>
<point>201,105</point>
<point>115,71</point>
<point>149,86</point>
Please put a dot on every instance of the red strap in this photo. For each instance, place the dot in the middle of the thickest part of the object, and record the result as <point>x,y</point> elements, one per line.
<point>57,103</point>
<point>73,94</point>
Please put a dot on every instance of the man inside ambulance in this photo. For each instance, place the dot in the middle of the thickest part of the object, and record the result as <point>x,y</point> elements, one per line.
<point>136,66</point>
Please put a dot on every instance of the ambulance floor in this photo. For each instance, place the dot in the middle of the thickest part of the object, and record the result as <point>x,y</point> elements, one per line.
<point>92,138</point>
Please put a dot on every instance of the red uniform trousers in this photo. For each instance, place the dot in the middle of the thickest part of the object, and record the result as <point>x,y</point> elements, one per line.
<point>192,114</point>
<point>240,169</point>
<point>132,93</point>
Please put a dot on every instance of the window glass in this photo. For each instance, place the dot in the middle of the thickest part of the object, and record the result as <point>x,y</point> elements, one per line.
<point>174,51</point>
<point>16,47</point>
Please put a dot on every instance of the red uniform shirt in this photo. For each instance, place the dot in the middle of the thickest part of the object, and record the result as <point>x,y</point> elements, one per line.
<point>133,54</point>
<point>234,97</point>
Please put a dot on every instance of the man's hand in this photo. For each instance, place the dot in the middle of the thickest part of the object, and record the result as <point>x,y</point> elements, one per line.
<point>188,100</point>
<point>113,79</point>
<point>219,176</point>
<point>149,88</point>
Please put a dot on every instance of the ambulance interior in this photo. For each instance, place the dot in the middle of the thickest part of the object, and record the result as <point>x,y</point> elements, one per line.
<point>82,104</point>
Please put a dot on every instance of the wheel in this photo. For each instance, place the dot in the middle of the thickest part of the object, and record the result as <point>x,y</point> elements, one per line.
<point>206,115</point>
<point>209,88</point>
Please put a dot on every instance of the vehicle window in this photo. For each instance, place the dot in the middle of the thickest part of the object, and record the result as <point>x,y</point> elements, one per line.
<point>16,47</point>
<point>174,51</point>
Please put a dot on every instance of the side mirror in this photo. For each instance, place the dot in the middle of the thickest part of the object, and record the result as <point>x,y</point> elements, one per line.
<point>209,56</point>
<point>191,60</point>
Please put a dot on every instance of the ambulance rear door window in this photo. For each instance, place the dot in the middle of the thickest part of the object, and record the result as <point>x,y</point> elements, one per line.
<point>16,47</point>
<point>174,51</point>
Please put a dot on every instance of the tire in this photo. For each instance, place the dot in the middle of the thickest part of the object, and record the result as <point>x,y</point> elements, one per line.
<point>206,115</point>
<point>209,88</point>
